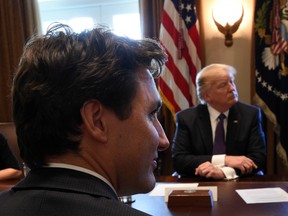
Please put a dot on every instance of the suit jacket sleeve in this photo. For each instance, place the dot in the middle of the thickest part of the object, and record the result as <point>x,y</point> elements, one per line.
<point>246,137</point>
<point>189,149</point>
<point>7,159</point>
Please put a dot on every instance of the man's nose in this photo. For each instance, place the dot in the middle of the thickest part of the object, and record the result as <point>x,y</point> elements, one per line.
<point>231,86</point>
<point>163,140</point>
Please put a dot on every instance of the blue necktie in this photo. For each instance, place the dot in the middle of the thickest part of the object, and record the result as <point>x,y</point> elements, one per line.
<point>219,141</point>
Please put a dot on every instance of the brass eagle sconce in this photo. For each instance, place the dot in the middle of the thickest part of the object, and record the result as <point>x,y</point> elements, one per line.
<point>228,30</point>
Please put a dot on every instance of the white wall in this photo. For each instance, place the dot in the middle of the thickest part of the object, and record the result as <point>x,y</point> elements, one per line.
<point>239,55</point>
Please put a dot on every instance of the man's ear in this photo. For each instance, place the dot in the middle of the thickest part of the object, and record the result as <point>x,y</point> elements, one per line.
<point>206,96</point>
<point>91,113</point>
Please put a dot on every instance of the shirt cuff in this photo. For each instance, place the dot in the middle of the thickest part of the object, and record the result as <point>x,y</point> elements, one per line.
<point>229,173</point>
<point>218,160</point>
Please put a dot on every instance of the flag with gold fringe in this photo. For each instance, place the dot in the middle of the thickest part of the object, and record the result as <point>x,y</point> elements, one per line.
<point>271,61</point>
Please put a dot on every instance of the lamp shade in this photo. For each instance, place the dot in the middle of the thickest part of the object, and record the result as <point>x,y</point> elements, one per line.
<point>227,11</point>
<point>228,15</point>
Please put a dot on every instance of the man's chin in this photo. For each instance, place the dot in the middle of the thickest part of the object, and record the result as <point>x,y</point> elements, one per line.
<point>142,187</point>
<point>149,184</point>
<point>233,100</point>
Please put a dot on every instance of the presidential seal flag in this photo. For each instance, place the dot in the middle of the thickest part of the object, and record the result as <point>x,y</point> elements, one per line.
<point>271,61</point>
<point>180,37</point>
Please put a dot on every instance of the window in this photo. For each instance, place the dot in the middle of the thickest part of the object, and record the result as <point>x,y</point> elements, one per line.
<point>121,16</point>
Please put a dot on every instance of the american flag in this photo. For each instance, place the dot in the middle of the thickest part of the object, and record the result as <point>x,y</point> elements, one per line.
<point>279,44</point>
<point>179,35</point>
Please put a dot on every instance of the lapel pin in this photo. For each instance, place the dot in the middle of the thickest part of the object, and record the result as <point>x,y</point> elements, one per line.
<point>235,121</point>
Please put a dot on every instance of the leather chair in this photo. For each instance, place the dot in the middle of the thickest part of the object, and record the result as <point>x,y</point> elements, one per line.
<point>8,130</point>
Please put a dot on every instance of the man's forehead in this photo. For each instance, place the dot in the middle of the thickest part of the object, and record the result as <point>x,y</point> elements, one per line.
<point>221,79</point>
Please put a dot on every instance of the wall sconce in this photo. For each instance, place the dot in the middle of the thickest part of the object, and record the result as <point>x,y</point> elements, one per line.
<point>228,15</point>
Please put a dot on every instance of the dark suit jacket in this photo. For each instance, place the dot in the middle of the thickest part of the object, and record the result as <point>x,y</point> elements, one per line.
<point>7,159</point>
<point>58,191</point>
<point>193,142</point>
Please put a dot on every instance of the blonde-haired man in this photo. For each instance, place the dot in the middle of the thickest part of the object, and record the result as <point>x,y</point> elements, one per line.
<point>243,149</point>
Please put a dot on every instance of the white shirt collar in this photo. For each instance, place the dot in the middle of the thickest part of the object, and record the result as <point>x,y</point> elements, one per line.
<point>214,113</point>
<point>81,169</point>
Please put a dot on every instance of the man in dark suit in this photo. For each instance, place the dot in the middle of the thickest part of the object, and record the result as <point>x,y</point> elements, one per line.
<point>196,140</point>
<point>85,109</point>
<point>9,166</point>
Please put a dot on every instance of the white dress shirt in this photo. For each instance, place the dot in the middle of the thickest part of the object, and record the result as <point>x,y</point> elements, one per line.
<point>219,160</point>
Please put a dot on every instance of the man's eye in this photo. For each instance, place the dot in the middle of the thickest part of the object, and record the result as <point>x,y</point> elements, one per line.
<point>153,115</point>
<point>222,85</point>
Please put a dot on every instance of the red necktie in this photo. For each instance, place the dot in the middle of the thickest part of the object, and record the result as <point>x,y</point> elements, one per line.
<point>219,141</point>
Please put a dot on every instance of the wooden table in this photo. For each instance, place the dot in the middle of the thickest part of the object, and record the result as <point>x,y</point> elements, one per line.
<point>229,202</point>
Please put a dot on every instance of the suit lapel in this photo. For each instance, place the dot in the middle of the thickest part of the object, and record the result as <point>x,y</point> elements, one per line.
<point>205,125</point>
<point>232,127</point>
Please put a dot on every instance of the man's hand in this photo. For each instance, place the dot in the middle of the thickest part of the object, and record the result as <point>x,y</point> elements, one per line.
<point>245,164</point>
<point>208,170</point>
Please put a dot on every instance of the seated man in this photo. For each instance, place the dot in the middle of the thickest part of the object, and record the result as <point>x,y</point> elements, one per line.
<point>195,146</point>
<point>9,166</point>
<point>85,109</point>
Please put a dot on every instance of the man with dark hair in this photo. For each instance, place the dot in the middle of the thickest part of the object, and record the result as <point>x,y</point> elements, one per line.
<point>85,108</point>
